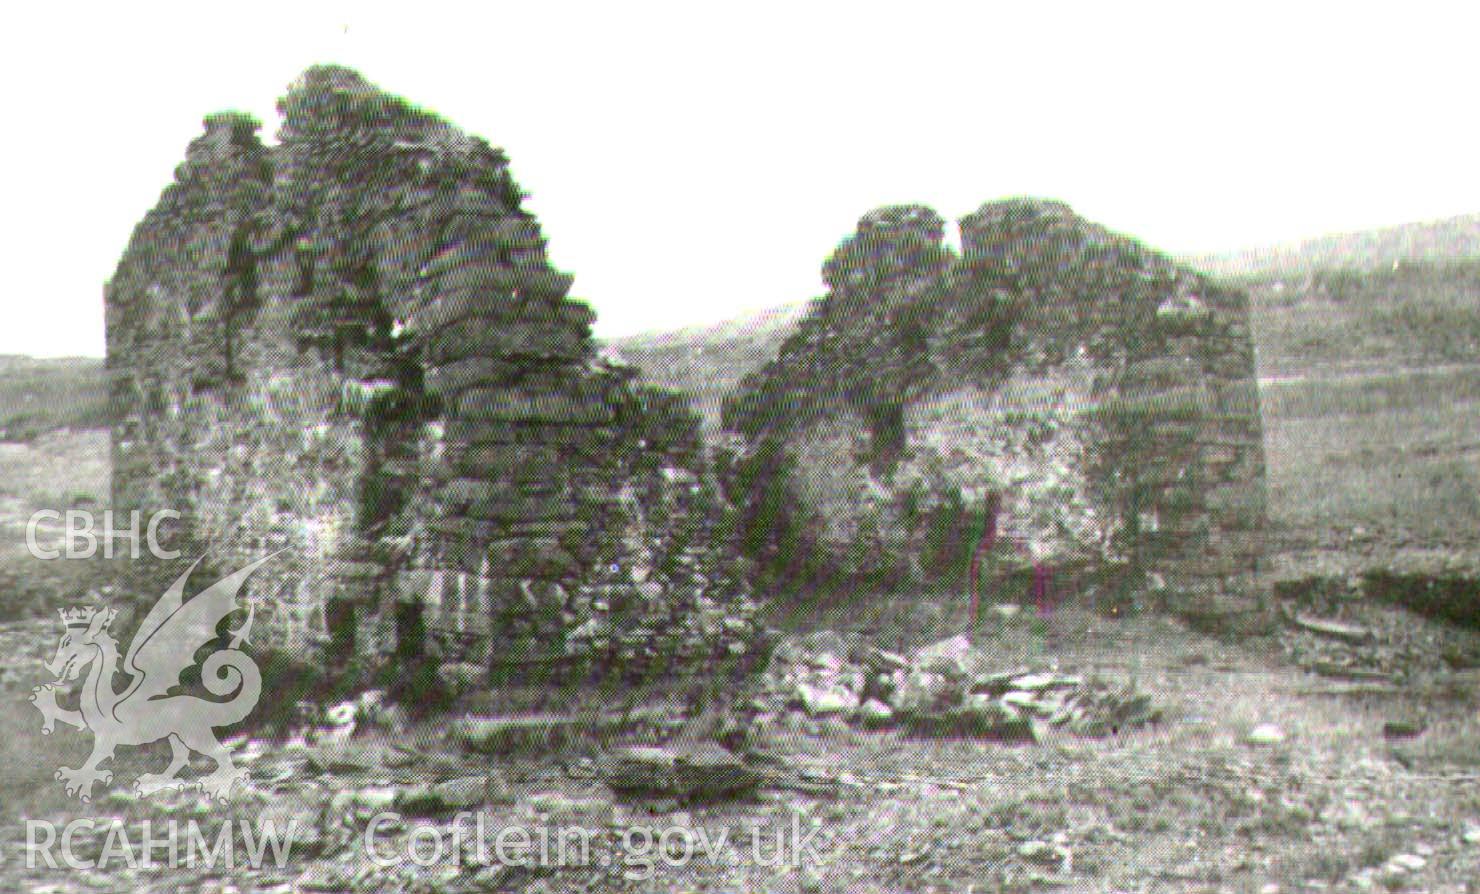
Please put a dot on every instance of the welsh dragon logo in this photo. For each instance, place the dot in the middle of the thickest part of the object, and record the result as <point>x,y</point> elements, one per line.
<point>145,711</point>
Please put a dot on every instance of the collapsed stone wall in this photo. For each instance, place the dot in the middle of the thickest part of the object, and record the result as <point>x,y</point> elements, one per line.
<point>350,347</point>
<point>1056,395</point>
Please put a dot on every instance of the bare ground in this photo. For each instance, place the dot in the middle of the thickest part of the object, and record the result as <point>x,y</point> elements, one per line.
<point>1189,805</point>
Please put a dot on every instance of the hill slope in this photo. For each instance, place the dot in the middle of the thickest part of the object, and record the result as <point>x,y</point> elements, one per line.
<point>40,395</point>
<point>1454,237</point>
<point>707,362</point>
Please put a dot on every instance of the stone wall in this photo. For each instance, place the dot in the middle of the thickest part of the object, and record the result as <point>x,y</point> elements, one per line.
<point>1102,396</point>
<point>351,347</point>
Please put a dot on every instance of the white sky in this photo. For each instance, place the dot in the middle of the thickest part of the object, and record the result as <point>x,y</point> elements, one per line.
<point>692,161</point>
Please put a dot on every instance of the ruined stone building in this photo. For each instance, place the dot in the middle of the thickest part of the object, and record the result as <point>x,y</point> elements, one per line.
<point>1055,395</point>
<point>350,347</point>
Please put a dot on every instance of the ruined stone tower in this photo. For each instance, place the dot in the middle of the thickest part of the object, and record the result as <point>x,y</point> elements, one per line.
<point>351,347</point>
<point>1060,391</point>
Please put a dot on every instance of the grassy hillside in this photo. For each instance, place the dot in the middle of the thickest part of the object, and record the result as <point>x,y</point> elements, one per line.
<point>38,396</point>
<point>1388,458</point>
<point>708,361</point>
<point>52,456</point>
<point>1370,384</point>
<point>1414,314</point>
<point>1450,238</point>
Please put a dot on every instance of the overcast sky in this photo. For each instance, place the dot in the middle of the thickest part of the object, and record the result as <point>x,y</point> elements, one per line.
<point>690,162</point>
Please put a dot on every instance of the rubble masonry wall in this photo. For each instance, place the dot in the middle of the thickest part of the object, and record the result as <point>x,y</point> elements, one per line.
<point>351,347</point>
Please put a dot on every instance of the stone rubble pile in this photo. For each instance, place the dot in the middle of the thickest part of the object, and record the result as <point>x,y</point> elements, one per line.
<point>701,772</point>
<point>1346,635</point>
<point>948,687</point>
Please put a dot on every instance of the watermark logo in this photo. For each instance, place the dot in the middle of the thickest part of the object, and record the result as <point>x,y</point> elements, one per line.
<point>144,711</point>
<point>83,534</point>
<point>171,845</point>
<point>638,853</point>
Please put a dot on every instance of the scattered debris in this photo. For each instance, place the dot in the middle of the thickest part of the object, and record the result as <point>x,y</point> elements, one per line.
<point>1265,734</point>
<point>875,713</point>
<point>697,772</point>
<point>821,701</point>
<point>949,687</point>
<point>1005,611</point>
<point>1402,646</point>
<point>1403,729</point>
<point>978,715</point>
<point>953,657</point>
<point>1053,853</point>
<point>1338,671</point>
<point>335,724</point>
<point>558,807</point>
<point>355,756</point>
<point>1349,689</point>
<point>460,676</point>
<point>1352,634</point>
<point>503,735</point>
<point>441,797</point>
